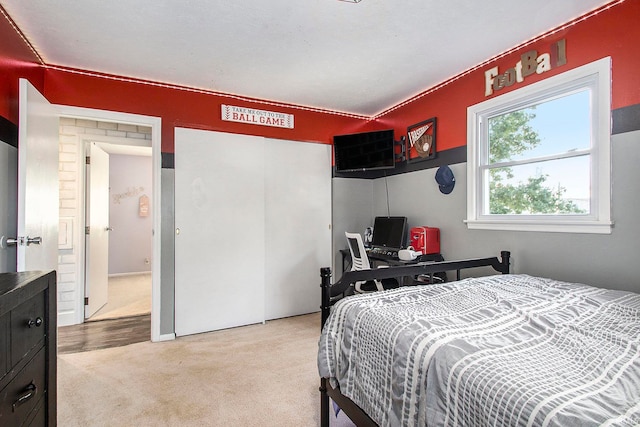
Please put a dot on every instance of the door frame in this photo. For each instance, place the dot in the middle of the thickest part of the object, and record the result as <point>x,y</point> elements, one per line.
<point>156,157</point>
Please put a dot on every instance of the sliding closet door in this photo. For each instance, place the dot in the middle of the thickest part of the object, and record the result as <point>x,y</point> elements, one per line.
<point>298,218</point>
<point>219,218</point>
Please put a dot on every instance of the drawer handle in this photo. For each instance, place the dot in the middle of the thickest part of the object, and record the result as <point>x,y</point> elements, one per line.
<point>37,323</point>
<point>29,391</point>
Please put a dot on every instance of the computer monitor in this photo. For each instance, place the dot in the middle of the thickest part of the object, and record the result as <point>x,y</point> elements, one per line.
<point>389,232</point>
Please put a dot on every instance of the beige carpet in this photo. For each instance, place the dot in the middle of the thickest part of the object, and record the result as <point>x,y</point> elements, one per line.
<point>258,375</point>
<point>129,295</point>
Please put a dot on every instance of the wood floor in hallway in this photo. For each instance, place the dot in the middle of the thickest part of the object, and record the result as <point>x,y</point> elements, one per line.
<point>125,319</point>
<point>104,334</point>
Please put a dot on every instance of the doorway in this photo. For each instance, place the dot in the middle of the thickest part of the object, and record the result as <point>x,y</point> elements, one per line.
<point>80,126</point>
<point>118,227</point>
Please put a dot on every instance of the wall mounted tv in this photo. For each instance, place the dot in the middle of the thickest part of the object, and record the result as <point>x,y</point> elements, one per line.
<point>364,151</point>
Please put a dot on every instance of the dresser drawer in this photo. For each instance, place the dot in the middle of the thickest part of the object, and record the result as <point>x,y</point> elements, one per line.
<point>28,349</point>
<point>5,361</point>
<point>27,327</point>
<point>21,395</point>
<point>38,417</point>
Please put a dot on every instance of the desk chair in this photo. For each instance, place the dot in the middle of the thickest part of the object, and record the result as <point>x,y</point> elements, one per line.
<point>360,261</point>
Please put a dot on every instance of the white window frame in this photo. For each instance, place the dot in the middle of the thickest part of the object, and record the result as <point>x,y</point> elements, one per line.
<point>596,76</point>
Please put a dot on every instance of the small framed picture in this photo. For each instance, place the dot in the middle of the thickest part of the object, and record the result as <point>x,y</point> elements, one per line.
<point>421,141</point>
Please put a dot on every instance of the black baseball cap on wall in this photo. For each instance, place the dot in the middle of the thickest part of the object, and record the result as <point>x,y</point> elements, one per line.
<point>445,179</point>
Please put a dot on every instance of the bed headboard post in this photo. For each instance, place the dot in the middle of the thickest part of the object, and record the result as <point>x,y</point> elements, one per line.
<point>506,256</point>
<point>325,307</point>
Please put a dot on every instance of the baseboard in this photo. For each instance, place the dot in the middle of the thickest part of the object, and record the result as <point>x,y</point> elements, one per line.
<point>67,318</point>
<point>166,337</point>
<point>136,273</point>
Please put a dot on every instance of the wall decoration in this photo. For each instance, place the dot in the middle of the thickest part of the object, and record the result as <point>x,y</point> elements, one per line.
<point>530,63</point>
<point>445,179</point>
<point>254,116</point>
<point>421,141</point>
<point>143,206</point>
<point>131,192</point>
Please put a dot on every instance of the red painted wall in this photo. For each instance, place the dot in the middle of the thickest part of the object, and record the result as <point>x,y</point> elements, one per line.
<point>614,32</point>
<point>16,60</point>
<point>183,108</point>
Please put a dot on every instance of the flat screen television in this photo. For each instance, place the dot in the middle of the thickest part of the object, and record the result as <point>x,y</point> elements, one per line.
<point>364,151</point>
<point>389,232</point>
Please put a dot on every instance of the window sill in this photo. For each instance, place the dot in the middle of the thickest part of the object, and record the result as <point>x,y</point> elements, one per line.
<point>590,227</point>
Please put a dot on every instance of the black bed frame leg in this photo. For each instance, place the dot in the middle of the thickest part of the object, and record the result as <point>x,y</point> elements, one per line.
<point>324,403</point>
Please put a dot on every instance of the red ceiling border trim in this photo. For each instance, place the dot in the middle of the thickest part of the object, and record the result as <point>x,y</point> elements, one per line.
<point>202,91</point>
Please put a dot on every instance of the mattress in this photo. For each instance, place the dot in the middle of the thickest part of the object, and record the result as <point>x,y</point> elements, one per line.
<point>501,350</point>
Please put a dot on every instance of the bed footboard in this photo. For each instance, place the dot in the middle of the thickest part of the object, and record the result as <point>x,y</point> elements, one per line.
<point>332,291</point>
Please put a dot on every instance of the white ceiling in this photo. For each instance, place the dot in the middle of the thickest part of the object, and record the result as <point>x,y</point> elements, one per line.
<point>360,58</point>
<point>126,149</point>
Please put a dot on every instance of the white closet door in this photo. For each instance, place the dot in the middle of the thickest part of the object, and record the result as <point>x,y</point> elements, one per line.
<point>219,217</point>
<point>298,218</point>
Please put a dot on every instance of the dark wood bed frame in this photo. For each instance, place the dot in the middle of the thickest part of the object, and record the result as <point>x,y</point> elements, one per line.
<point>331,293</point>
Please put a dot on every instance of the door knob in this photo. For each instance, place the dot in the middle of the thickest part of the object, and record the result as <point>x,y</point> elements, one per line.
<point>34,240</point>
<point>5,242</point>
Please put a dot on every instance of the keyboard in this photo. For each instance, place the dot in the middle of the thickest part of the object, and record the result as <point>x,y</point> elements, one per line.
<point>383,253</point>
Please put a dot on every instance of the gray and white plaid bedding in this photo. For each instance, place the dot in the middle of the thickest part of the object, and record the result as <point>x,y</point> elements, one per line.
<point>507,350</point>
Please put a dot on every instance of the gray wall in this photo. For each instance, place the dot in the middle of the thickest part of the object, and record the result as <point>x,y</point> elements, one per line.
<point>601,260</point>
<point>130,241</point>
<point>8,203</point>
<point>167,252</point>
<point>352,211</point>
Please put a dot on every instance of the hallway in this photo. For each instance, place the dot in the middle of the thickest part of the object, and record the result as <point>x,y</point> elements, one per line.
<point>125,319</point>
<point>129,295</point>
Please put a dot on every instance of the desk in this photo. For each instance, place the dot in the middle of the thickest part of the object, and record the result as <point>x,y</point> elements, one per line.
<point>396,261</point>
<point>377,259</point>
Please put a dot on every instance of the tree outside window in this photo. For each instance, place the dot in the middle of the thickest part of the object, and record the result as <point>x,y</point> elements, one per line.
<point>515,137</point>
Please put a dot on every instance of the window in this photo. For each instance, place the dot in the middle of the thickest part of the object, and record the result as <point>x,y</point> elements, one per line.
<point>538,158</point>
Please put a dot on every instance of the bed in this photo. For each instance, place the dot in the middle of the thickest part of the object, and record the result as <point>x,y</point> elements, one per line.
<point>496,350</point>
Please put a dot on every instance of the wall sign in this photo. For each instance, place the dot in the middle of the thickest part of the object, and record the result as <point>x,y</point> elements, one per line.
<point>530,63</point>
<point>253,116</point>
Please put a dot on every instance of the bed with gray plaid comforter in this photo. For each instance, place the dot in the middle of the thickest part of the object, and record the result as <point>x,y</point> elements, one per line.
<point>507,350</point>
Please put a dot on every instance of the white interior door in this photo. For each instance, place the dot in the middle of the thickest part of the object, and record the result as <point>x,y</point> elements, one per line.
<point>219,217</point>
<point>298,225</point>
<point>37,181</point>
<point>97,241</point>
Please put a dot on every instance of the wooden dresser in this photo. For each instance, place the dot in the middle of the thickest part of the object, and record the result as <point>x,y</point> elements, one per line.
<point>28,349</point>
